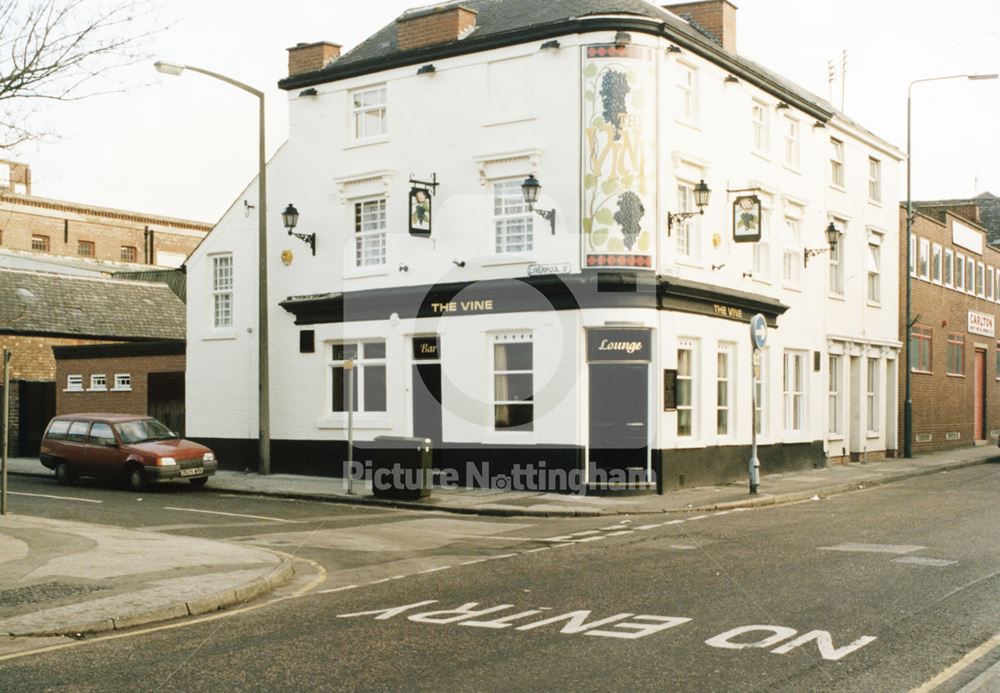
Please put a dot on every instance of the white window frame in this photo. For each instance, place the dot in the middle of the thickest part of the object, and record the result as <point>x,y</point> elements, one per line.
<point>760,119</point>
<point>762,248</point>
<point>688,232</point>
<point>362,362</point>
<point>837,163</point>
<point>913,255</point>
<point>123,382</point>
<point>510,213</point>
<point>791,268</point>
<point>959,272</point>
<point>835,261</point>
<point>936,263</point>
<point>924,261</point>
<point>872,383</point>
<point>500,339</point>
<point>98,382</point>
<point>792,132</point>
<point>980,280</point>
<point>793,390</point>
<point>873,288</point>
<point>370,232</point>
<point>360,113</point>
<point>990,282</point>
<point>691,346</point>
<point>834,378</point>
<point>970,276</point>
<point>686,90</point>
<point>725,384</point>
<point>948,268</point>
<point>223,284</point>
<point>874,180</point>
<point>74,383</point>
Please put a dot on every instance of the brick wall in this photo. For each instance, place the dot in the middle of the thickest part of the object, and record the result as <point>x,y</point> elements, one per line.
<point>65,226</point>
<point>428,29</point>
<point>943,403</point>
<point>31,357</point>
<point>309,57</point>
<point>128,402</point>
<point>717,16</point>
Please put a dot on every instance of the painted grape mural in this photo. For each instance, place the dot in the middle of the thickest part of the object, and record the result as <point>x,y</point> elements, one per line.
<point>619,129</point>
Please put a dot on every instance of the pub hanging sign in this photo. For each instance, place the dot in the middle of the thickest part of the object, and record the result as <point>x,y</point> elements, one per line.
<point>746,219</point>
<point>421,196</point>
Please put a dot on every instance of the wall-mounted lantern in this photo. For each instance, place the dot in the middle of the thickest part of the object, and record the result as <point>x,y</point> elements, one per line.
<point>530,188</point>
<point>290,217</point>
<point>832,236</point>
<point>701,195</point>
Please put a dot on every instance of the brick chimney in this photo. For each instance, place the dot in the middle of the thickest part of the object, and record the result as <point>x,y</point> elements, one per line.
<point>434,25</point>
<point>718,17</point>
<point>15,178</point>
<point>310,57</point>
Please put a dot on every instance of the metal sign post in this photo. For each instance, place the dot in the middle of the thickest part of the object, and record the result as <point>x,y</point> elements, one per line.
<point>349,367</point>
<point>758,338</point>
<point>5,420</point>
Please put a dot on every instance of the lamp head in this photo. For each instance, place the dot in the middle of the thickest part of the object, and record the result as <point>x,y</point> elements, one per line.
<point>530,189</point>
<point>701,194</point>
<point>166,68</point>
<point>290,217</point>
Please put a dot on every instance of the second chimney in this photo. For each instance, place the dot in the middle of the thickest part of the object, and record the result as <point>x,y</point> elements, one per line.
<point>310,57</point>
<point>717,17</point>
<point>433,26</point>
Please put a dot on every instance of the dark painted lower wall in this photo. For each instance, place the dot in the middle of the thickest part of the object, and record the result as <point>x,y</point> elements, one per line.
<point>507,467</point>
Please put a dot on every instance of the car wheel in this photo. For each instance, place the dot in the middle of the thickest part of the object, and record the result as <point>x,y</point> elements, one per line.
<point>198,483</point>
<point>64,474</point>
<point>137,479</point>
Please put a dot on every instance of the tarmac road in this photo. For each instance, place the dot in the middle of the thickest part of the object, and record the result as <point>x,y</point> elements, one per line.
<point>879,590</point>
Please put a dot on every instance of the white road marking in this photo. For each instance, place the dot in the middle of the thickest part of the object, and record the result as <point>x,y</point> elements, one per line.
<point>599,537</point>
<point>544,548</point>
<point>697,517</point>
<point>434,570</point>
<point>619,533</point>
<point>338,589</point>
<point>474,562</point>
<point>643,528</point>
<point>674,522</point>
<point>252,517</point>
<point>612,528</point>
<point>42,495</point>
<point>873,548</point>
<point>503,555</point>
<point>585,533</point>
<point>919,560</point>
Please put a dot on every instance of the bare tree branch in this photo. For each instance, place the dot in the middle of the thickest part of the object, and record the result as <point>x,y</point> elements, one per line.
<point>63,50</point>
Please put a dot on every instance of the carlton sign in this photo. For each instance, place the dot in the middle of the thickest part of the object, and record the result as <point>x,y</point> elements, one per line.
<point>982,323</point>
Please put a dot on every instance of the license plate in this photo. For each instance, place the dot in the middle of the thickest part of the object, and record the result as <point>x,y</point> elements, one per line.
<point>193,471</point>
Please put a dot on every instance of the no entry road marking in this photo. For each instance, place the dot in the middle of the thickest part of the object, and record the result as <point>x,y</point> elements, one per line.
<point>217,512</point>
<point>42,495</point>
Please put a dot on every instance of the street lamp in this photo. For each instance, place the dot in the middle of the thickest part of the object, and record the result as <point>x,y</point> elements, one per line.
<point>702,193</point>
<point>263,381</point>
<point>908,402</point>
<point>530,189</point>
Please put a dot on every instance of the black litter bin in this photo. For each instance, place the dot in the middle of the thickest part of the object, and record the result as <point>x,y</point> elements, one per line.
<point>401,467</point>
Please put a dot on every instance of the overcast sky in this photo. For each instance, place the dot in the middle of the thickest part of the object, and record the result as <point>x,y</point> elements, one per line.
<point>187,146</point>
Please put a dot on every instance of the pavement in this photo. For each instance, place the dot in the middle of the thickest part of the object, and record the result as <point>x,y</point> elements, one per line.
<point>67,578</point>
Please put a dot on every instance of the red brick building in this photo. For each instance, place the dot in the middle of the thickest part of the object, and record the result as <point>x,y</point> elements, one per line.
<point>56,227</point>
<point>954,347</point>
<point>39,311</point>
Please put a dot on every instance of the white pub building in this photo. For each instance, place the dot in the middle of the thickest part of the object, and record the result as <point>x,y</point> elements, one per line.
<point>541,231</point>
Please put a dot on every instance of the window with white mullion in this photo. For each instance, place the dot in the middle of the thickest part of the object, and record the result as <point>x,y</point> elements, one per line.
<point>688,232</point>
<point>369,233</point>
<point>833,396</point>
<point>793,391</point>
<point>368,365</point>
<point>791,142</point>
<point>686,358</point>
<point>872,395</point>
<point>512,221</point>
<point>874,272</point>
<point>513,383</point>
<point>762,248</point>
<point>724,391</point>
<point>222,290</point>
<point>369,109</point>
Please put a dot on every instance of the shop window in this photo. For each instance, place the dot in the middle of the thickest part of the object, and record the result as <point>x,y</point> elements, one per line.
<point>74,383</point>
<point>98,382</point>
<point>794,391</point>
<point>956,353</point>
<point>513,383</point>
<point>123,382</point>
<point>512,220</point>
<point>369,376</point>
<point>686,358</point>
<point>222,290</point>
<point>724,390</point>
<point>834,416</point>
<point>921,341</point>
<point>369,233</point>
<point>872,385</point>
<point>368,107</point>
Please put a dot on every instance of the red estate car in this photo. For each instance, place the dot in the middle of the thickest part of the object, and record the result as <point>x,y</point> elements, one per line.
<point>122,446</point>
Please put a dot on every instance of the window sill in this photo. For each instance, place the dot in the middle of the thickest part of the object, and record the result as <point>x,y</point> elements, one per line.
<point>498,260</point>
<point>761,155</point>
<point>375,271</point>
<point>693,124</point>
<point>121,389</point>
<point>873,304</point>
<point>838,188</point>
<point>358,144</point>
<point>914,371</point>
<point>874,203</point>
<point>216,335</point>
<point>873,434</point>
<point>792,287</point>
<point>835,436</point>
<point>361,421</point>
<point>74,389</point>
<point>792,169</point>
<point>97,389</point>
<point>761,280</point>
<point>836,297</point>
<point>955,375</point>
<point>510,120</point>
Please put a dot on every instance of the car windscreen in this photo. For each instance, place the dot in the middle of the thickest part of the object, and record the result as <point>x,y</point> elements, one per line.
<point>142,430</point>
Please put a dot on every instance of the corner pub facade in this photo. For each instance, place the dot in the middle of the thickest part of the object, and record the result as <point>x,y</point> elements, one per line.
<point>594,333</point>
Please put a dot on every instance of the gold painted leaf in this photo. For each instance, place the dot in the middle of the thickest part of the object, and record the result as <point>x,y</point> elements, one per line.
<point>605,216</point>
<point>599,237</point>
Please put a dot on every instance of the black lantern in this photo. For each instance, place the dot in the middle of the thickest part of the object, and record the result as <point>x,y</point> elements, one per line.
<point>832,237</point>
<point>290,217</point>
<point>701,195</point>
<point>530,189</point>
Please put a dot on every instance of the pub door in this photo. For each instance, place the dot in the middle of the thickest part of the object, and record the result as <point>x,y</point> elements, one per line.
<point>619,416</point>
<point>426,392</point>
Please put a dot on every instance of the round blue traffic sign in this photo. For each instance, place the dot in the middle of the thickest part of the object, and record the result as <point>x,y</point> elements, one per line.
<point>758,331</point>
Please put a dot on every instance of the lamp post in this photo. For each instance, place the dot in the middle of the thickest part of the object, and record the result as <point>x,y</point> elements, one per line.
<point>908,402</point>
<point>263,380</point>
